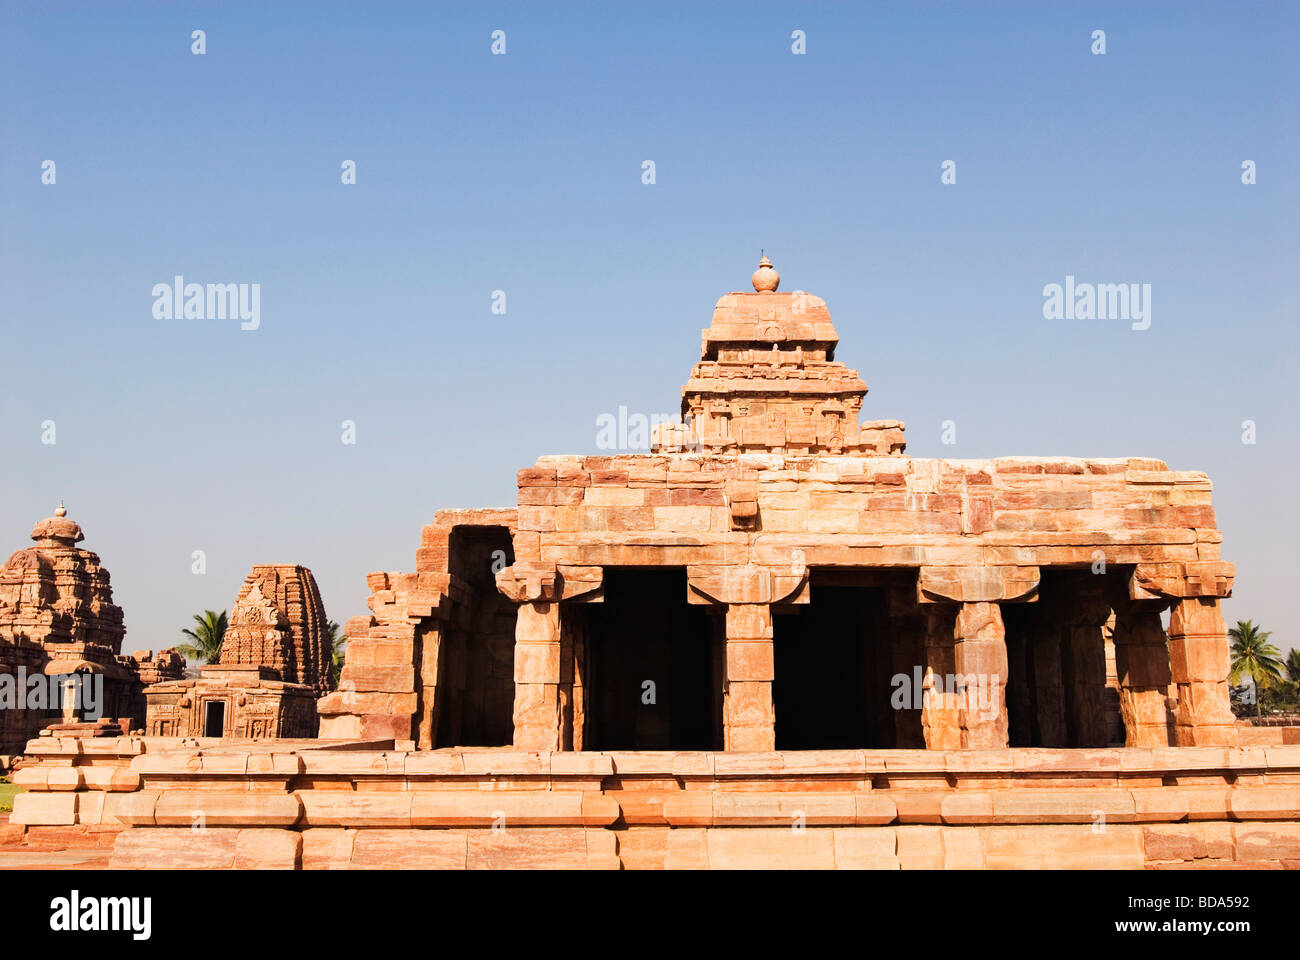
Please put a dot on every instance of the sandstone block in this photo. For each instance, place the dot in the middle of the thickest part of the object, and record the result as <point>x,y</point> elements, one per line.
<point>173,848</point>
<point>268,849</point>
<point>775,848</point>
<point>53,809</point>
<point>410,849</point>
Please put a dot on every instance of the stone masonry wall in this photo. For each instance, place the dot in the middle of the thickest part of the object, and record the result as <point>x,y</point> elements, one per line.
<point>289,806</point>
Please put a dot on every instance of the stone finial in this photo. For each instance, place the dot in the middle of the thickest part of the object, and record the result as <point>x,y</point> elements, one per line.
<point>58,530</point>
<point>765,278</point>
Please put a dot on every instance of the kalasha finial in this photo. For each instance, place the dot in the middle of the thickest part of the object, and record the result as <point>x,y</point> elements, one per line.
<point>60,510</point>
<point>765,278</point>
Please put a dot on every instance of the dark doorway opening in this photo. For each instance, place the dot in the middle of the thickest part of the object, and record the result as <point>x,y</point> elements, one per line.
<point>833,668</point>
<point>214,718</point>
<point>476,655</point>
<point>652,665</point>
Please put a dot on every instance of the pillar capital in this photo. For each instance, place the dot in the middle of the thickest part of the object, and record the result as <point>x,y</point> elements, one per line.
<point>991,584</point>
<point>1177,581</point>
<point>748,584</point>
<point>531,581</point>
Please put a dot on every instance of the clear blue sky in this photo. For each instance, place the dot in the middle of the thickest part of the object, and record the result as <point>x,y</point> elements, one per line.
<point>523,173</point>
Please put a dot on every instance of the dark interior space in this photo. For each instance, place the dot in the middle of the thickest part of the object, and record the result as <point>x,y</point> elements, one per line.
<point>214,718</point>
<point>650,665</point>
<point>1026,654</point>
<point>833,669</point>
<point>1056,668</point>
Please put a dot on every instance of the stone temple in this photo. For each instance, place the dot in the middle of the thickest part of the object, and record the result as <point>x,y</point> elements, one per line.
<point>774,618</point>
<point>774,564</point>
<point>58,619</point>
<point>274,663</point>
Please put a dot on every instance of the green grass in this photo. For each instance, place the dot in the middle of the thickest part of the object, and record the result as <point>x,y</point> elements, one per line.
<point>7,791</point>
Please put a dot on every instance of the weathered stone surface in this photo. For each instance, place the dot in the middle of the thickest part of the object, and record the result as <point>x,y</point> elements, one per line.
<point>987,585</point>
<point>372,809</point>
<point>58,621</point>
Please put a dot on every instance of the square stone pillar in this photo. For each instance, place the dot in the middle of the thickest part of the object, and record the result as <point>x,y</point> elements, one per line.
<point>537,713</point>
<point>1142,666</point>
<point>573,666</point>
<point>1083,653</point>
<point>432,654</point>
<point>980,659</point>
<point>940,722</point>
<point>1049,688</point>
<point>907,651</point>
<point>748,717</point>
<point>1198,661</point>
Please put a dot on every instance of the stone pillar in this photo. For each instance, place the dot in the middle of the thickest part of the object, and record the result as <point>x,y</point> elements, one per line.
<point>544,714</point>
<point>979,645</point>
<point>431,654</point>
<point>1198,660</point>
<point>980,658</point>
<point>748,717</point>
<point>70,701</point>
<point>573,668</point>
<point>1083,652</point>
<point>1049,690</point>
<point>1114,717</point>
<point>1142,666</point>
<point>537,713</point>
<point>940,723</point>
<point>907,648</point>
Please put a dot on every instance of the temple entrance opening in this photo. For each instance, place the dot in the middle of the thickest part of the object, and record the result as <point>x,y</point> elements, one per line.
<point>475,676</point>
<point>1059,689</point>
<point>653,662</point>
<point>835,658</point>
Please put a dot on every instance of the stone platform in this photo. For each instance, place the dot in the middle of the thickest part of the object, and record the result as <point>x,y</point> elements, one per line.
<point>320,805</point>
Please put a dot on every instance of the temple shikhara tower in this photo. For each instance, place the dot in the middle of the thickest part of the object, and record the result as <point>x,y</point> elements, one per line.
<point>58,620</point>
<point>274,663</point>
<point>777,573</point>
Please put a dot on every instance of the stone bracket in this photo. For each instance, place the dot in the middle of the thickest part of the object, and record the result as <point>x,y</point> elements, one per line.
<point>1178,581</point>
<point>747,584</point>
<point>742,498</point>
<point>532,581</point>
<point>977,584</point>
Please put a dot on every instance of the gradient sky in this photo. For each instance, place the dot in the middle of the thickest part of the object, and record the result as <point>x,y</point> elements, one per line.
<point>523,173</point>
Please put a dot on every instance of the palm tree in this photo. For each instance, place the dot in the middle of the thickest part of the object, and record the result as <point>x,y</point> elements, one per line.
<point>207,636</point>
<point>1292,664</point>
<point>1253,656</point>
<point>339,646</point>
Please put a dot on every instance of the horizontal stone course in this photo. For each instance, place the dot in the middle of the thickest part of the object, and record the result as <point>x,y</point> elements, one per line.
<point>269,807</point>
